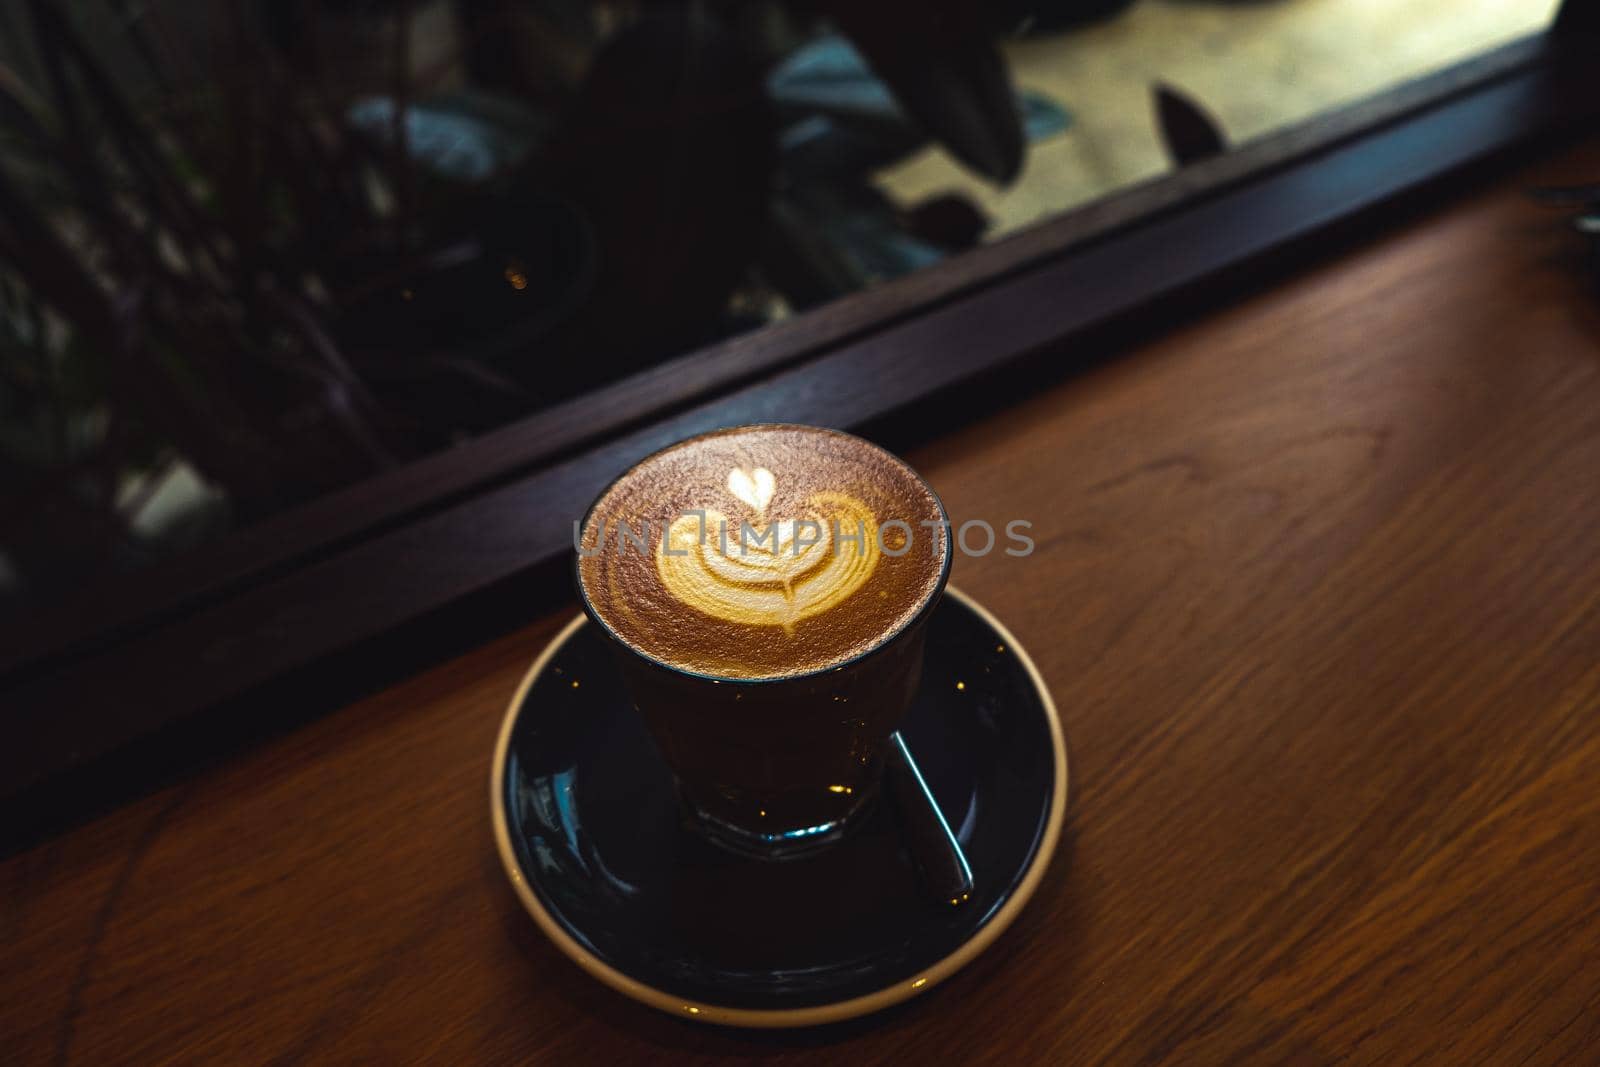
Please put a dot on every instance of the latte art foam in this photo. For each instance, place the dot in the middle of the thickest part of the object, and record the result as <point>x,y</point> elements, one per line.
<point>772,561</point>
<point>775,574</point>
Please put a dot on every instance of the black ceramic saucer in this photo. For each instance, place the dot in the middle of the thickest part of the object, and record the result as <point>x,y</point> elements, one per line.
<point>587,826</point>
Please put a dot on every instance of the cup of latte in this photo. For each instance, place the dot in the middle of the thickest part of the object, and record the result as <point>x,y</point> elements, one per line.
<point>766,589</point>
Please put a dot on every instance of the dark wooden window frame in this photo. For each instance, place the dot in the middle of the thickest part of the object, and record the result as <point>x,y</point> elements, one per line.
<point>391,572</point>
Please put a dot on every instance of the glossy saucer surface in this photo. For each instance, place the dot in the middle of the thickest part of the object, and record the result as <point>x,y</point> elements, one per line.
<point>589,831</point>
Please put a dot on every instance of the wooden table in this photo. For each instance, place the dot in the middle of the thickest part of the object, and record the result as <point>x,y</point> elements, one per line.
<point>1317,589</point>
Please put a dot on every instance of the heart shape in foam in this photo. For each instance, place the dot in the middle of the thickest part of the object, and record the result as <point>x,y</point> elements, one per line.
<point>754,488</point>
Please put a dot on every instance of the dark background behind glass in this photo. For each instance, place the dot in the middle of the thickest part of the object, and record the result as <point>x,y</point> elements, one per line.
<point>254,252</point>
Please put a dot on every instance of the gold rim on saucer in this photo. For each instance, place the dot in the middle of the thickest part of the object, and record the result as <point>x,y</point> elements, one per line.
<point>784,1017</point>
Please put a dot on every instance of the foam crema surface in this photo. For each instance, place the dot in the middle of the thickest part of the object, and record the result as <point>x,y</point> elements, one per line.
<point>763,552</point>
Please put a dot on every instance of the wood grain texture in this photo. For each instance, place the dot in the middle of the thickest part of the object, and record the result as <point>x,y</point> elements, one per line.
<point>1317,590</point>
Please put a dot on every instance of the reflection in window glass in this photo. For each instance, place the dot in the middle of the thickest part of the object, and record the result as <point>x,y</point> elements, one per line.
<point>1255,66</point>
<point>253,252</point>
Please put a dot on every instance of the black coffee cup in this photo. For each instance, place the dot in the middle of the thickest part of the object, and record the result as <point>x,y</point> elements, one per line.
<point>777,766</point>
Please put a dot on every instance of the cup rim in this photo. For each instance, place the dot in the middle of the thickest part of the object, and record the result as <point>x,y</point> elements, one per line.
<point>883,642</point>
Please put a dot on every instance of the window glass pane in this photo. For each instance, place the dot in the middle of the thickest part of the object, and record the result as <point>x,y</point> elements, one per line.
<point>1254,67</point>
<point>253,252</point>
